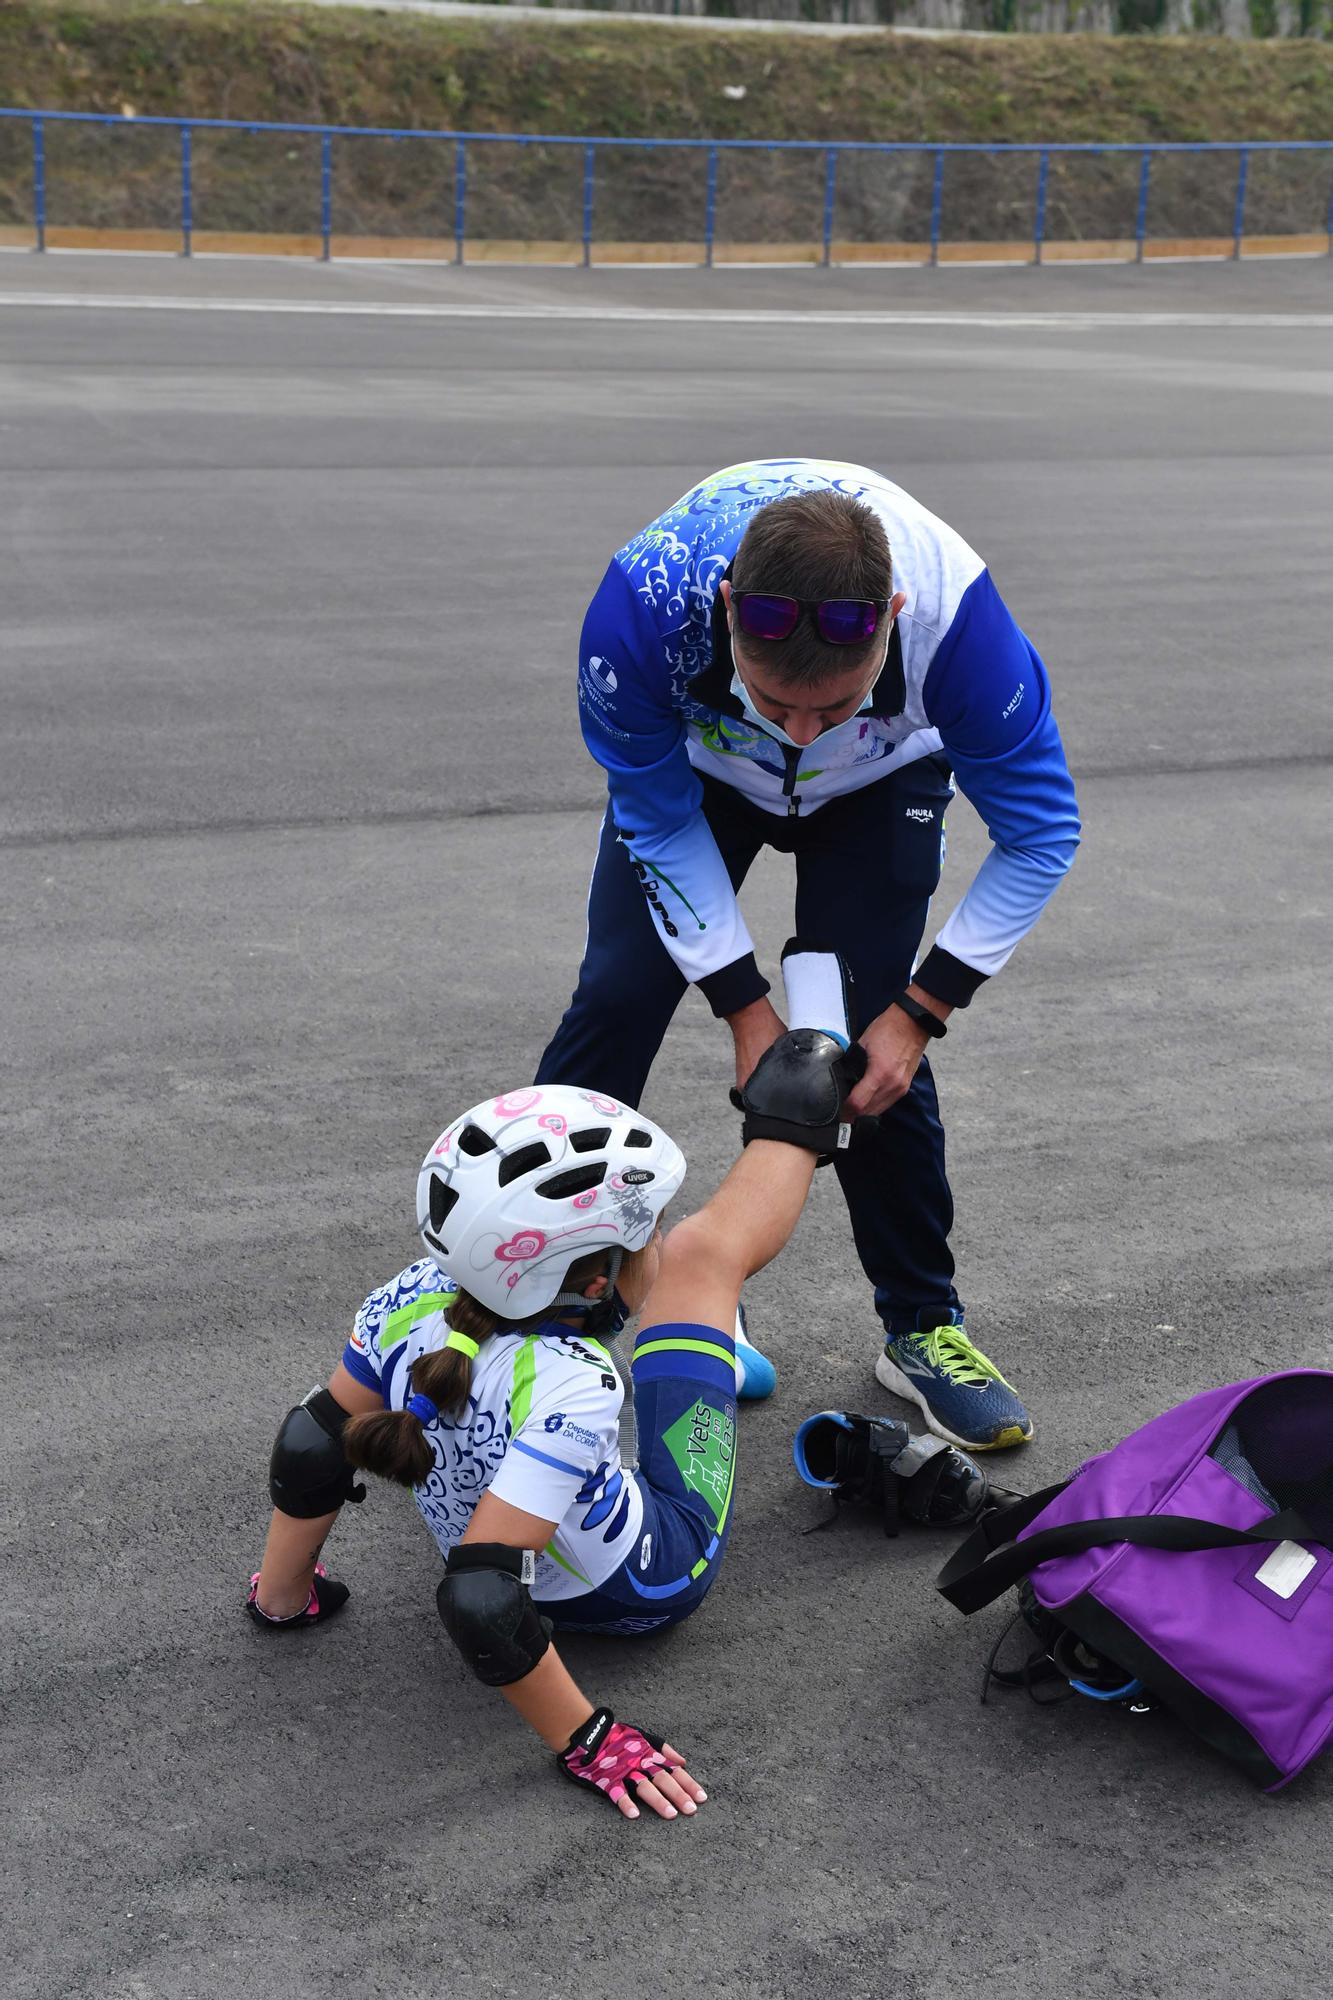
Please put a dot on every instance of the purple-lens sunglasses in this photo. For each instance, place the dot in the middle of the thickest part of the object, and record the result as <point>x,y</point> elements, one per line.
<point>839,621</point>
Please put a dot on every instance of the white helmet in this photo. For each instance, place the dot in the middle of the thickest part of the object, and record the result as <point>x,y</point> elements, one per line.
<point>520,1187</point>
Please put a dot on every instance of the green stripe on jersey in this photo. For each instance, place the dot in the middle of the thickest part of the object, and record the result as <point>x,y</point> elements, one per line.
<point>401,1321</point>
<point>525,1380</point>
<point>550,1550</point>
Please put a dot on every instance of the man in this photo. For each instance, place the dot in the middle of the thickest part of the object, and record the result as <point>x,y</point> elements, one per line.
<point>797,655</point>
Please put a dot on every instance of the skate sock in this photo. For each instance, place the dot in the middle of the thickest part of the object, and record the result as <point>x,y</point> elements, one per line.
<point>818,991</point>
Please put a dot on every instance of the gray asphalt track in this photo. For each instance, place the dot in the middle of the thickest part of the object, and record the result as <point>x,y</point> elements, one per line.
<point>297,825</point>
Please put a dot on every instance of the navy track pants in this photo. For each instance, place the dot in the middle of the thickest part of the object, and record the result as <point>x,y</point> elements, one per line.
<point>864,879</point>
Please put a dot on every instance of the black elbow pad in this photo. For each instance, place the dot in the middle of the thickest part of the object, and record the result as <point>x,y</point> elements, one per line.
<point>488,1612</point>
<point>308,1474</point>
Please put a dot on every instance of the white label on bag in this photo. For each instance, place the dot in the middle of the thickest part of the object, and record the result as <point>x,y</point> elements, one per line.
<point>1286,1569</point>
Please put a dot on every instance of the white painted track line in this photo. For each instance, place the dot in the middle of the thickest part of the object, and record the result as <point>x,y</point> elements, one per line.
<point>662,316</point>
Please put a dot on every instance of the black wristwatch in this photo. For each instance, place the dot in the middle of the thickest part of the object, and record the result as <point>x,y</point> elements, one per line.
<point>923,1017</point>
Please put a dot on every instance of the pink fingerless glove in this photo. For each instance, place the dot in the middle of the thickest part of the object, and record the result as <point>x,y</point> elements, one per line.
<point>327,1596</point>
<point>611,1757</point>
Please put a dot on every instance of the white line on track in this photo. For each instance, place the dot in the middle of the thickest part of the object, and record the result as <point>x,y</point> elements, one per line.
<point>660,316</point>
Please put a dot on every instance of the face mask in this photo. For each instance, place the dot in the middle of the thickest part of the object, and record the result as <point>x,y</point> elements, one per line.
<point>775,729</point>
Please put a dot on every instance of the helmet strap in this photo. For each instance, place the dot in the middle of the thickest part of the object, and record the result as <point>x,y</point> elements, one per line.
<point>599,1315</point>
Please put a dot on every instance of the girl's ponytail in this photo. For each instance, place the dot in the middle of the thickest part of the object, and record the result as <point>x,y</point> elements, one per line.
<point>393,1443</point>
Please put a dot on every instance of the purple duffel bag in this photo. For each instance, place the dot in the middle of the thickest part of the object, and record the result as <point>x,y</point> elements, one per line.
<point>1196,1559</point>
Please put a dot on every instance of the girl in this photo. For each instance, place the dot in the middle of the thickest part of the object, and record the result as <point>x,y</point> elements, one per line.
<point>479,1378</point>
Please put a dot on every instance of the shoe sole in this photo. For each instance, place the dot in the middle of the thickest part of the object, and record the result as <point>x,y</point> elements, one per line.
<point>891,1377</point>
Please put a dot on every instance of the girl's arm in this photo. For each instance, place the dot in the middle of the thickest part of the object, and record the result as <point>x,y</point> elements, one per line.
<point>549,1698</point>
<point>293,1547</point>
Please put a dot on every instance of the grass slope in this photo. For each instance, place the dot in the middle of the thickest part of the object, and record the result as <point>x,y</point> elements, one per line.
<point>631,78</point>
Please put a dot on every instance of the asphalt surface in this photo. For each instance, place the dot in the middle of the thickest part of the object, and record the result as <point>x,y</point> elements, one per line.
<point>296,825</point>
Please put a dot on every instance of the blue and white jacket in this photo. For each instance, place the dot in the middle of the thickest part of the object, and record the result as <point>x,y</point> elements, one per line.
<point>657,709</point>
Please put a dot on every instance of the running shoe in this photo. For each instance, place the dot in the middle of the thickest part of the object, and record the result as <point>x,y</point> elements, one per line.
<point>962,1396</point>
<point>756,1377</point>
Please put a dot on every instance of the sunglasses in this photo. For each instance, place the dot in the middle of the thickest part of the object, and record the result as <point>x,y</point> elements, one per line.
<point>839,621</point>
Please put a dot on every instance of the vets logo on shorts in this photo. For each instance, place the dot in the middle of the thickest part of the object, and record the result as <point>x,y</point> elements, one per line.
<point>703,1444</point>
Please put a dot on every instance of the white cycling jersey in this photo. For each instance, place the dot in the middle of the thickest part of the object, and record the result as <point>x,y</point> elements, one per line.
<point>540,1430</point>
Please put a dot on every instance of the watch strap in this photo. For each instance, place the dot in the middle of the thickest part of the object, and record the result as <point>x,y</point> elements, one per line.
<point>923,1017</point>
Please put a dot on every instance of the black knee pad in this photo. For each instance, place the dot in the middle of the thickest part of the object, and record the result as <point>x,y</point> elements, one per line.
<point>796,1092</point>
<point>488,1612</point>
<point>308,1474</point>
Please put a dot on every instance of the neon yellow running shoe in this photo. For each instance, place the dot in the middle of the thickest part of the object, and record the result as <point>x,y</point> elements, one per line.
<point>961,1394</point>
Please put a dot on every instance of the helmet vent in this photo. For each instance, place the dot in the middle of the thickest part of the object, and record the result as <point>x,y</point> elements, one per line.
<point>442,1199</point>
<point>638,1137</point>
<point>590,1139</point>
<point>574,1180</point>
<point>523,1161</point>
<point>473,1141</point>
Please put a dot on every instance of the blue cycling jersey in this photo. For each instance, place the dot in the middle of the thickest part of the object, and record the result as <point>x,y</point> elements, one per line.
<point>658,709</point>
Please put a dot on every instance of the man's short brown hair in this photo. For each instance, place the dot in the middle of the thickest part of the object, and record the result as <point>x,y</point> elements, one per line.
<point>813,545</point>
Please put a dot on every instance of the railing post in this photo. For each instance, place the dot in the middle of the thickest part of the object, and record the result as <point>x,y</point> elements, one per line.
<point>936,206</point>
<point>1039,226</point>
<point>187,192</point>
<point>1141,215</point>
<point>39,182</point>
<point>1238,226</point>
<point>326,195</point>
<point>589,168</point>
<point>460,198</point>
<point>830,196</point>
<point>1330,222</point>
<point>710,206</point>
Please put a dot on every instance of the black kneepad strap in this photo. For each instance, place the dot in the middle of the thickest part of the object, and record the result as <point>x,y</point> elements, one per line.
<point>308,1473</point>
<point>487,1610</point>
<point>797,1090</point>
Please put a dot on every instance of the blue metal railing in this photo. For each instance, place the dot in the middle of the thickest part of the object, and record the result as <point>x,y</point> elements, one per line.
<point>834,153</point>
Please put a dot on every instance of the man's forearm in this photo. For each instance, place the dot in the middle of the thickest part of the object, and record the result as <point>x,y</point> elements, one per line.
<point>941,1009</point>
<point>754,1030</point>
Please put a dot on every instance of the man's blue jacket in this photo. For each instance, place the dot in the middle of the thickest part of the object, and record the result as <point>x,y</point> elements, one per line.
<point>658,708</point>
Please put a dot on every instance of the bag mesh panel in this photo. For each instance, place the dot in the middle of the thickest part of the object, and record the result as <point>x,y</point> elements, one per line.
<point>1230,1455</point>
<point>1284,1433</point>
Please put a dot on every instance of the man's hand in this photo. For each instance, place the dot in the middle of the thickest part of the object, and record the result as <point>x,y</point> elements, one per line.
<point>895,1045</point>
<point>754,1030</point>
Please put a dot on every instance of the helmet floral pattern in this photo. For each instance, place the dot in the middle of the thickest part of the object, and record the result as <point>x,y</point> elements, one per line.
<point>515,1102</point>
<point>524,1244</point>
<point>608,1106</point>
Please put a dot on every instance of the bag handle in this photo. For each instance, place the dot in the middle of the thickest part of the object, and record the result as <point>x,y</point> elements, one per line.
<point>990,1561</point>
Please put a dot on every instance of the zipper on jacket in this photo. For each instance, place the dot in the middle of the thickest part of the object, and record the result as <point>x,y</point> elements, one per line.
<point>789,793</point>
